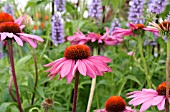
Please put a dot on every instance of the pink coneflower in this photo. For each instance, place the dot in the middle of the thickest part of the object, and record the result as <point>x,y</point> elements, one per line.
<point>77,59</point>
<point>13,30</point>
<point>107,39</point>
<point>149,97</point>
<point>133,30</point>
<point>116,104</point>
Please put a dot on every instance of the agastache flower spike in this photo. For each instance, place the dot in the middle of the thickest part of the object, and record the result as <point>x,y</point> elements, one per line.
<point>157,6</point>
<point>60,5</point>
<point>95,9</point>
<point>57,30</point>
<point>136,11</point>
<point>115,23</point>
<point>8,8</point>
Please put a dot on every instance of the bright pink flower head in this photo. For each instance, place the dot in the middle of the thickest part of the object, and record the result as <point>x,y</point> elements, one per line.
<point>107,39</point>
<point>13,30</point>
<point>149,97</point>
<point>133,30</point>
<point>77,59</point>
<point>116,104</point>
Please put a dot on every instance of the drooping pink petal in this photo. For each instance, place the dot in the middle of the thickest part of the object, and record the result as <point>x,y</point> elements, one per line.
<point>81,67</point>
<point>10,35</point>
<point>90,71</point>
<point>146,105</point>
<point>156,100</point>
<point>66,68</point>
<point>29,40</point>
<point>69,77</point>
<point>54,62</point>
<point>3,36</point>
<point>18,40</point>
<point>20,20</point>
<point>31,36</point>
<point>161,105</point>
<point>103,58</point>
<point>132,25</point>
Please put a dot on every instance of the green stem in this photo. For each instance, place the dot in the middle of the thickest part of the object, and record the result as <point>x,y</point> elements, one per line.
<point>140,45</point>
<point>167,75</point>
<point>93,84</point>
<point>36,76</point>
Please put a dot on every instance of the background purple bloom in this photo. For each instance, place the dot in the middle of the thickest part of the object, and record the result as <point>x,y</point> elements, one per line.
<point>60,5</point>
<point>57,31</point>
<point>136,11</point>
<point>115,23</point>
<point>168,17</point>
<point>157,6</point>
<point>95,9</point>
<point>8,8</point>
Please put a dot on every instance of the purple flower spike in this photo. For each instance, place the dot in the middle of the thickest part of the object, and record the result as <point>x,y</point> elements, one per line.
<point>60,5</point>
<point>95,9</point>
<point>57,33</point>
<point>168,17</point>
<point>8,8</point>
<point>136,11</point>
<point>115,23</point>
<point>157,6</point>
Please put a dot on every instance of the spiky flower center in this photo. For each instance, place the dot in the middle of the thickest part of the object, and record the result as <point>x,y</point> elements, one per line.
<point>4,17</point>
<point>161,89</point>
<point>115,104</point>
<point>10,27</point>
<point>139,26</point>
<point>76,52</point>
<point>49,101</point>
<point>165,26</point>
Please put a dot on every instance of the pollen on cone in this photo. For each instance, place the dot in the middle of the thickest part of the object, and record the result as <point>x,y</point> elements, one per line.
<point>77,52</point>
<point>161,89</point>
<point>10,27</point>
<point>5,17</point>
<point>115,104</point>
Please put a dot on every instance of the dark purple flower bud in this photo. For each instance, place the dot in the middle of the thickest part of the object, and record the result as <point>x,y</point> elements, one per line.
<point>157,6</point>
<point>115,23</point>
<point>136,11</point>
<point>57,29</point>
<point>60,5</point>
<point>8,8</point>
<point>95,9</point>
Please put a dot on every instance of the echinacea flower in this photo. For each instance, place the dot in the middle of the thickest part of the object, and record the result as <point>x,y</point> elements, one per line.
<point>13,30</point>
<point>149,97</point>
<point>106,39</point>
<point>163,27</point>
<point>116,104</point>
<point>77,59</point>
<point>47,104</point>
<point>133,30</point>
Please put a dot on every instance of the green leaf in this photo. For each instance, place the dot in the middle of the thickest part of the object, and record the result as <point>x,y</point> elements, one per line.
<point>40,91</point>
<point>6,105</point>
<point>131,77</point>
<point>30,82</point>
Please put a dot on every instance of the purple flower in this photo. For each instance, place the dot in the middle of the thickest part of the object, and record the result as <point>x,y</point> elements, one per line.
<point>57,31</point>
<point>60,5</point>
<point>8,8</point>
<point>1,54</point>
<point>115,23</point>
<point>95,9</point>
<point>168,17</point>
<point>157,6</point>
<point>136,11</point>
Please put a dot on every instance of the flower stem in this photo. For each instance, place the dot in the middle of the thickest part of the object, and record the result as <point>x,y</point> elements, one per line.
<point>36,76</point>
<point>75,91</point>
<point>93,84</point>
<point>167,75</point>
<point>148,78</point>
<point>11,58</point>
<point>10,89</point>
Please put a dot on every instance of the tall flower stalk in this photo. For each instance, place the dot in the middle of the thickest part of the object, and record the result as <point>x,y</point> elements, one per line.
<point>165,31</point>
<point>11,58</point>
<point>93,85</point>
